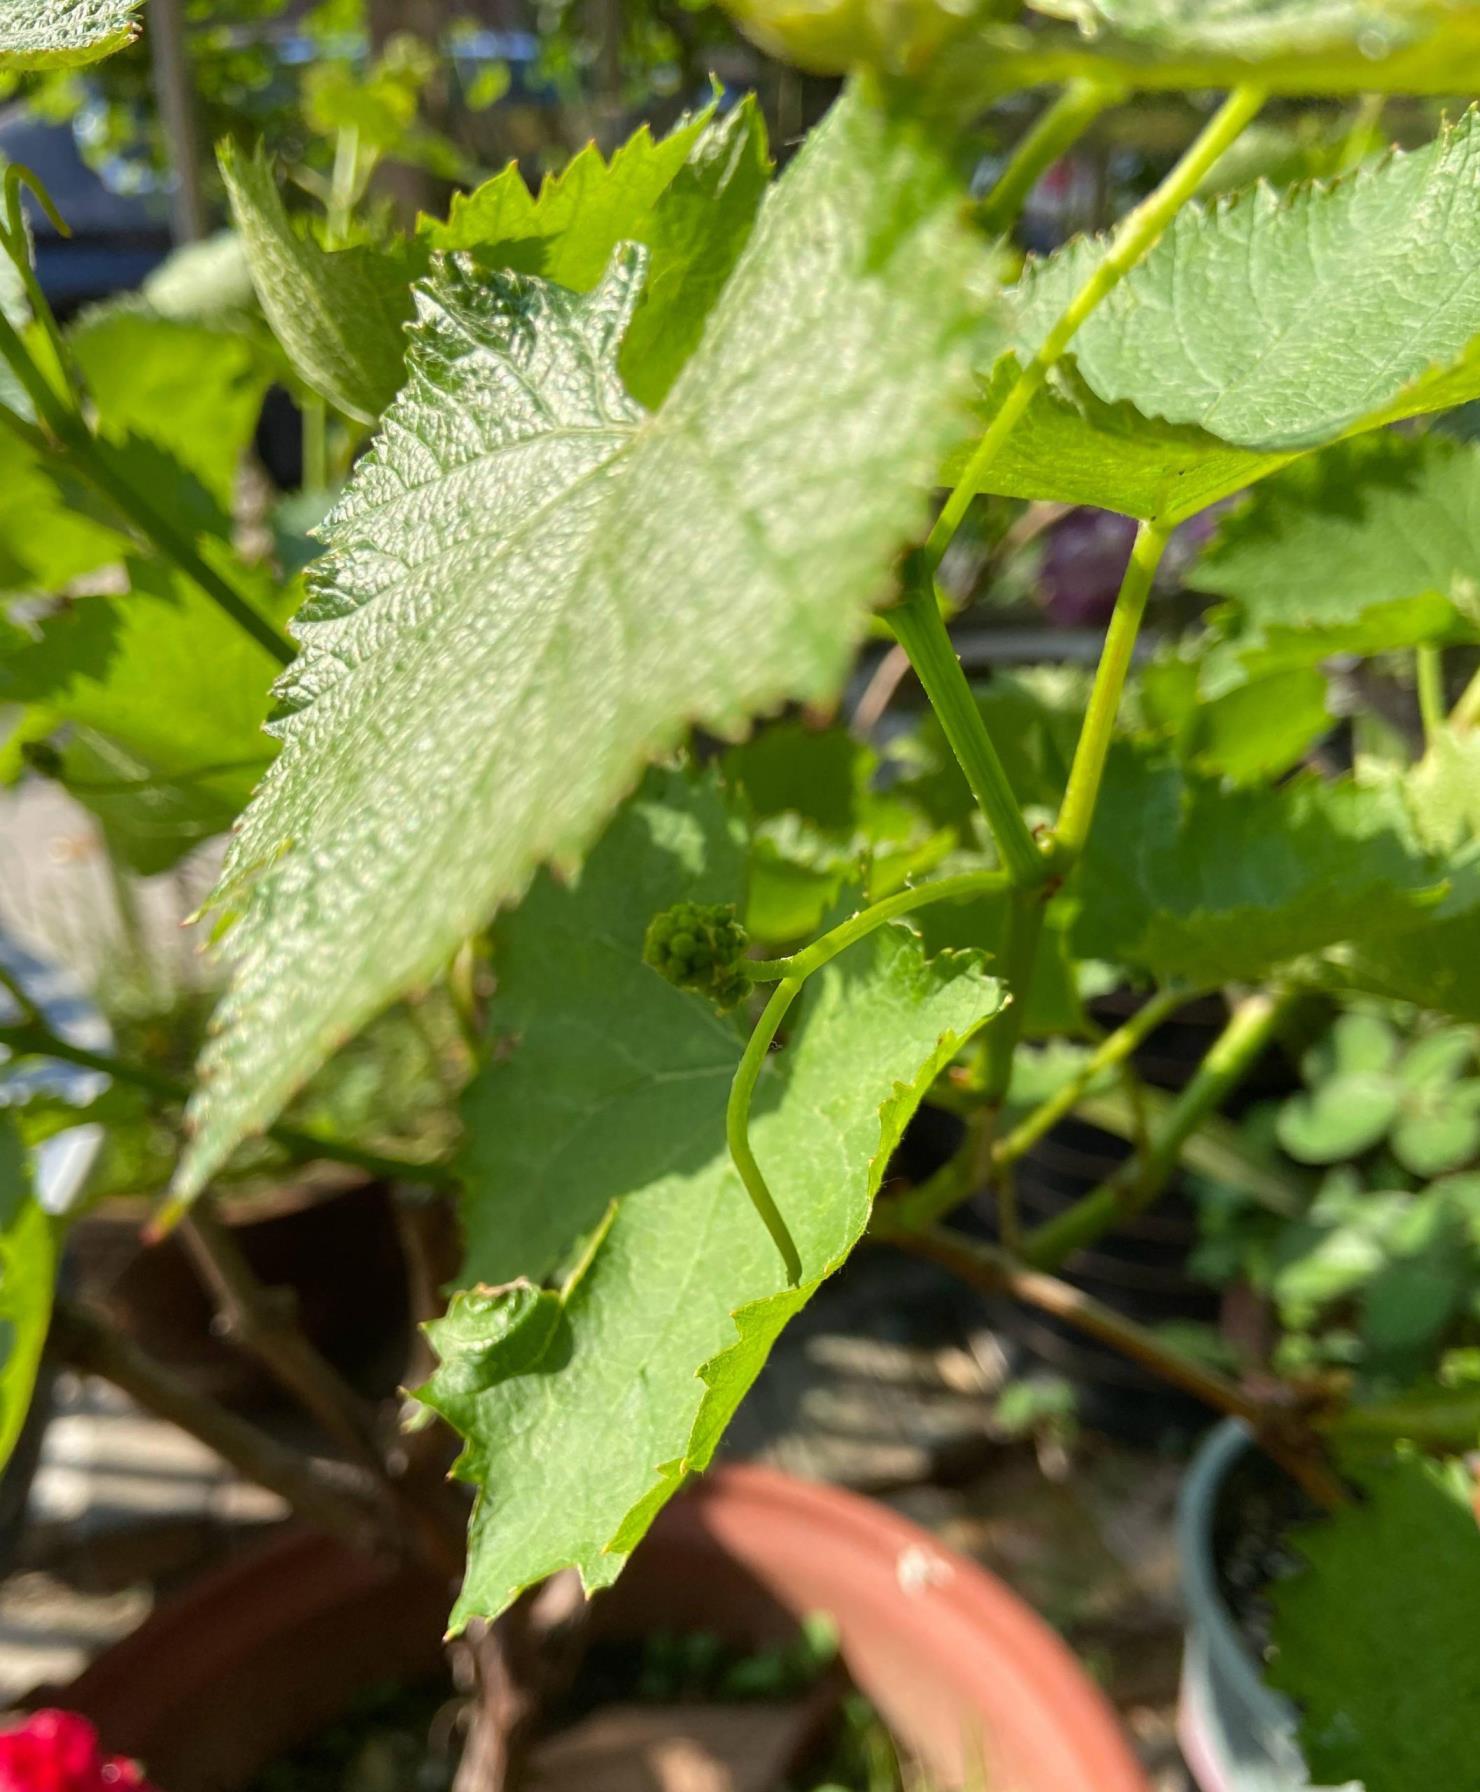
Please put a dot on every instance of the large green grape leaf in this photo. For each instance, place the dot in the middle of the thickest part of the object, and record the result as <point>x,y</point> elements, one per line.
<point>1376,1639</point>
<point>689,199</point>
<point>28,1268</point>
<point>341,314</point>
<point>1277,321</point>
<point>566,232</point>
<point>596,1138</point>
<point>1372,545</point>
<point>1187,879</point>
<point>171,698</point>
<point>1258,328</point>
<point>533,587</point>
<point>64,33</point>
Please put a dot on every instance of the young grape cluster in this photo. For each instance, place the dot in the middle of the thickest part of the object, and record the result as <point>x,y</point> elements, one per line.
<point>700,946</point>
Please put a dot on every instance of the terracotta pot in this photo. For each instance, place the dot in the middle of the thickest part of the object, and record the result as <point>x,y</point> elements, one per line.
<point>257,1657</point>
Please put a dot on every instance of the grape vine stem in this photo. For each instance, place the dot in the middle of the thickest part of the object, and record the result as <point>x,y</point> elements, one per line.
<point>1051,134</point>
<point>1141,1179</point>
<point>1088,769</point>
<point>1284,1433</point>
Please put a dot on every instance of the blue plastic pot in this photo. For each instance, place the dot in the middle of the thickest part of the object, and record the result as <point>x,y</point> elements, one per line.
<point>1236,1733</point>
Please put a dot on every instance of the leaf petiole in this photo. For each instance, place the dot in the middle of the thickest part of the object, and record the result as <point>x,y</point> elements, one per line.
<point>1052,132</point>
<point>1136,1185</point>
<point>921,630</point>
<point>1088,768</point>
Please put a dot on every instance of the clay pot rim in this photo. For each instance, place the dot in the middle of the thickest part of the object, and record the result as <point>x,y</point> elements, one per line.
<point>756,1515</point>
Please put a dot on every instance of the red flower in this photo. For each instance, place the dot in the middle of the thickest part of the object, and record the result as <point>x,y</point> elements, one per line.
<point>57,1751</point>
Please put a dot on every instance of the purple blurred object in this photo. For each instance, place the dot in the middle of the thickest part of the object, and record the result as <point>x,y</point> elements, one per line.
<point>1086,557</point>
<point>1082,567</point>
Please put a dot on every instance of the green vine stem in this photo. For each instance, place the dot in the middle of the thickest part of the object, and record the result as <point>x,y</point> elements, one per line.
<point>1021,933</point>
<point>1284,1433</point>
<point>1060,125</point>
<point>792,974</point>
<point>1088,769</point>
<point>1110,1054</point>
<point>1140,1180</point>
<point>1431,706</point>
<point>1132,239</point>
<point>33,1039</point>
<point>921,630</point>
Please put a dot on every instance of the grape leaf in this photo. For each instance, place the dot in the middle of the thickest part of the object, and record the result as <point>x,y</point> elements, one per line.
<point>1186,879</point>
<point>176,407</point>
<point>1258,328</point>
<point>173,697</point>
<point>1072,448</point>
<point>64,33</point>
<point>194,392</point>
<point>28,1269</point>
<point>967,55</point>
<point>584,1408</point>
<point>1390,1579</point>
<point>1247,728</point>
<point>690,199</point>
<point>1437,965</point>
<point>566,232</point>
<point>341,314</point>
<point>1053,1006</point>
<point>697,230</point>
<point>527,553</point>
<point>45,543</point>
<point>1276,321</point>
<point>1372,545</point>
<point>1256,29</point>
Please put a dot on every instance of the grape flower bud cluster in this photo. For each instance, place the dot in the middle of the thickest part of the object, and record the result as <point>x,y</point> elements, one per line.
<point>701,946</point>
